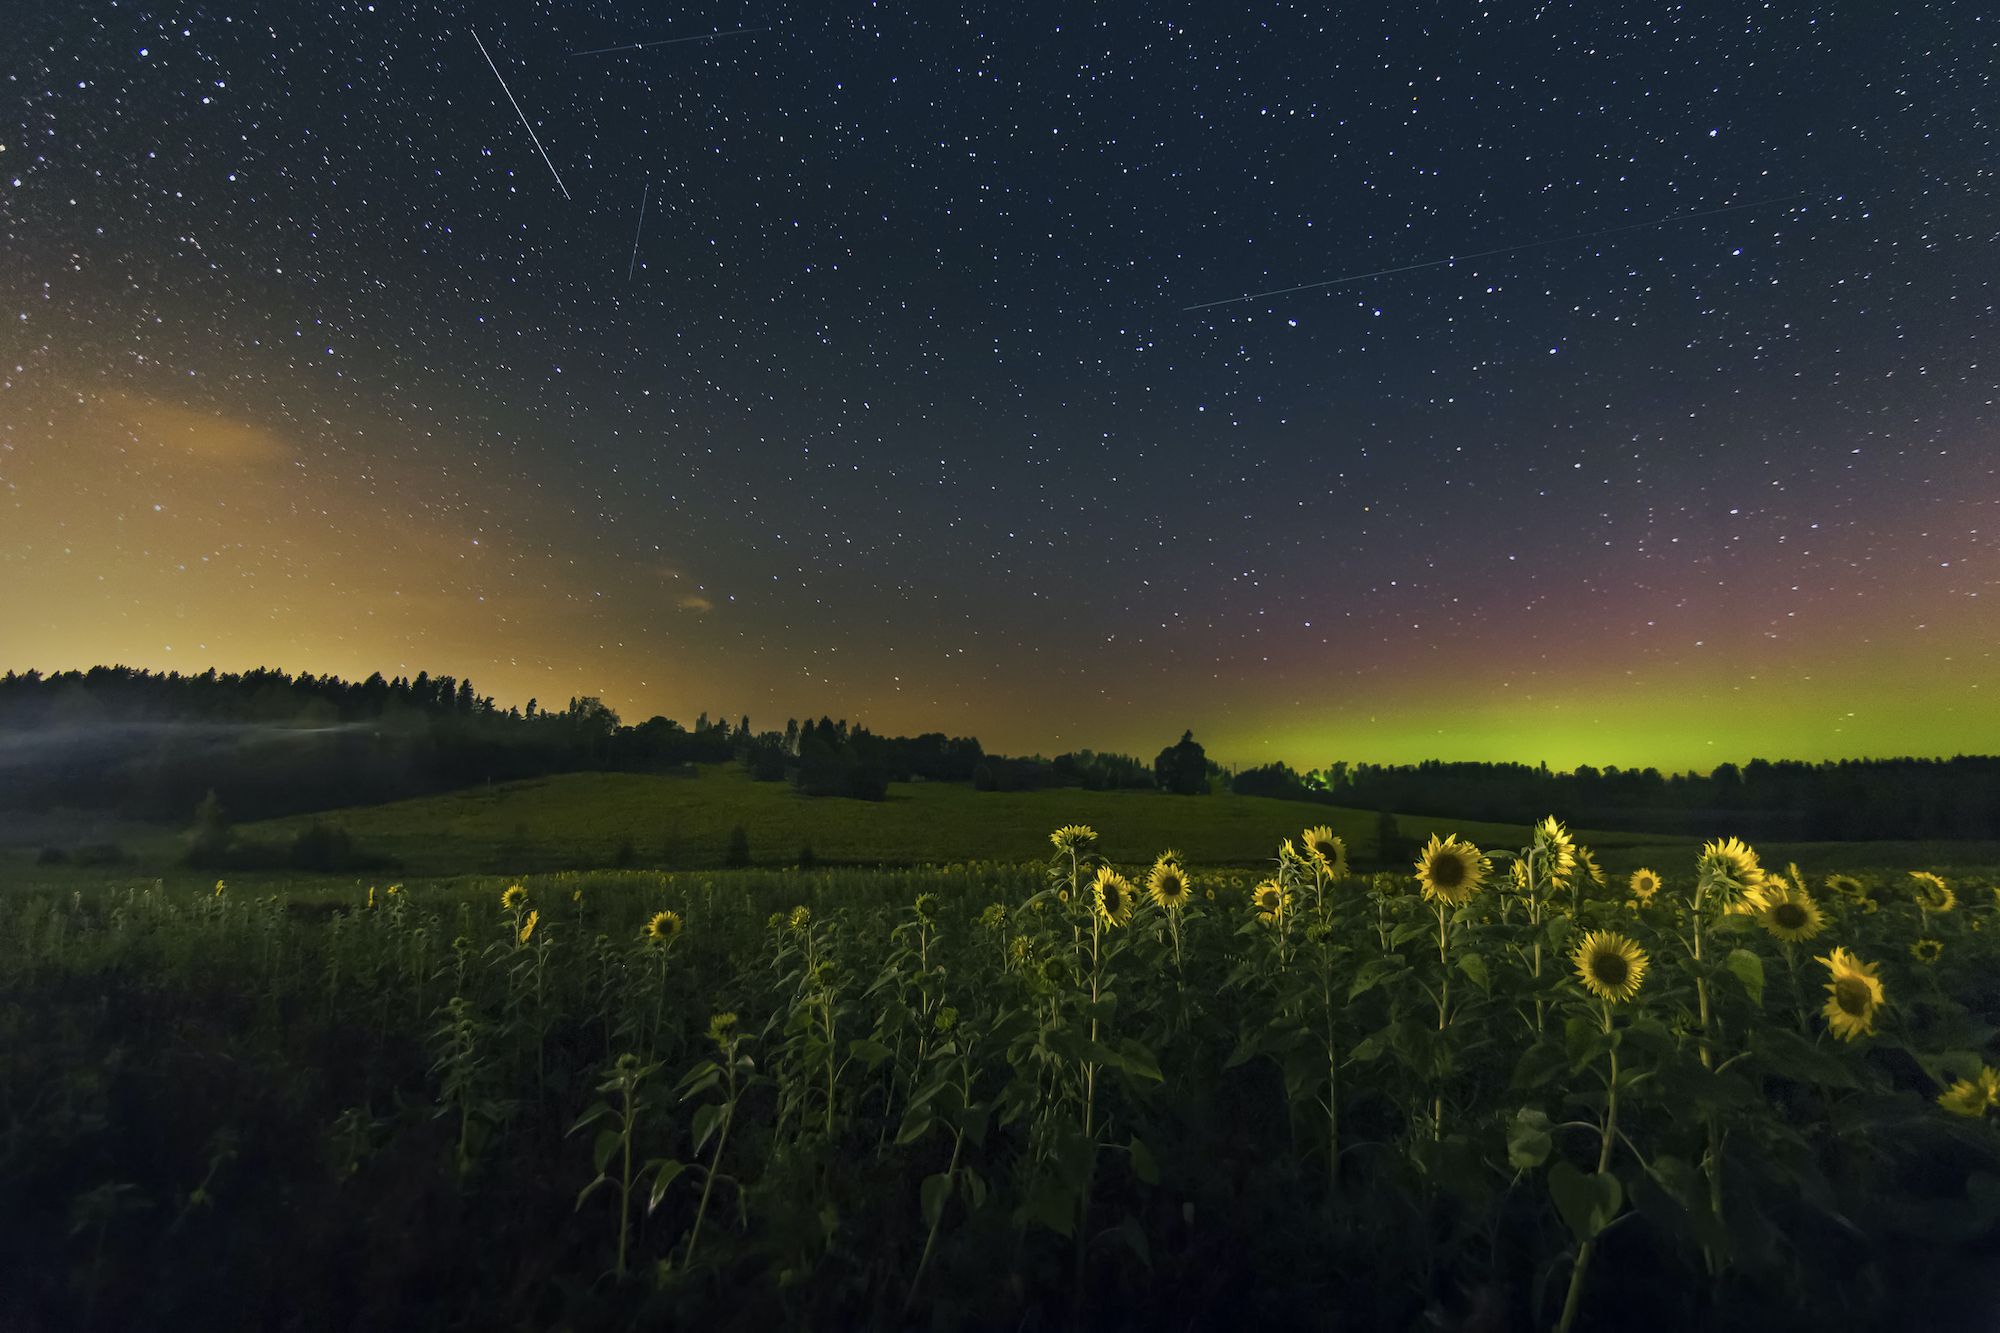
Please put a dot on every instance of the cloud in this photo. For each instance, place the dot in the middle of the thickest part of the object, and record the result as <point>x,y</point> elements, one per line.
<point>696,603</point>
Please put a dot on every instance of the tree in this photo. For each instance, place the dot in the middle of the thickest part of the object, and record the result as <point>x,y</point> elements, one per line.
<point>1182,768</point>
<point>738,853</point>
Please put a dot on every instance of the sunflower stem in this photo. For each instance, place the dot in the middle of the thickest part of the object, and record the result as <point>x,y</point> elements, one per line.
<point>1609,1135</point>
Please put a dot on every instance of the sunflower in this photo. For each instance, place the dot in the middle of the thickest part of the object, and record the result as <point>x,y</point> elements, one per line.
<point>512,898</point>
<point>1927,951</point>
<point>1791,916</point>
<point>1168,884</point>
<point>1450,871</point>
<point>1518,869</point>
<point>1933,894</point>
<point>220,888</point>
<point>1847,886</point>
<point>1973,1096</point>
<point>1327,852</point>
<point>1272,901</point>
<point>1610,965</point>
<point>1555,849</point>
<point>663,928</point>
<point>1592,871</point>
<point>528,926</point>
<point>1111,897</point>
<point>926,907</point>
<point>1730,865</point>
<point>800,918</point>
<point>1870,907</point>
<point>1853,996</point>
<point>1076,839</point>
<point>1644,884</point>
<point>371,897</point>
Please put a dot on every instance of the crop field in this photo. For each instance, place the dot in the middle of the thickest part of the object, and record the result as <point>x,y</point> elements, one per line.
<point>1499,1089</point>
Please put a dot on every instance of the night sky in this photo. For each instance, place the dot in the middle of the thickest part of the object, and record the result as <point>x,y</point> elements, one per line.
<point>897,411</point>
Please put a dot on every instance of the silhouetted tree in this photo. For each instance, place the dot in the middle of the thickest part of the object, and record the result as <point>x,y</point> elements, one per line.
<point>1182,768</point>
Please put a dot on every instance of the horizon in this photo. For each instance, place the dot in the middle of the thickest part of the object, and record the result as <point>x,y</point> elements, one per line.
<point>1140,749</point>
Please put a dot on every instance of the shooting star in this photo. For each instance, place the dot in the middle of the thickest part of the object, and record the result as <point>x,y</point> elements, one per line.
<point>638,231</point>
<point>522,114</point>
<point>669,41</point>
<point>1503,250</point>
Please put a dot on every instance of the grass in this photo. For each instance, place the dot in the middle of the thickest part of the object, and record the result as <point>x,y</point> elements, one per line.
<point>588,820</point>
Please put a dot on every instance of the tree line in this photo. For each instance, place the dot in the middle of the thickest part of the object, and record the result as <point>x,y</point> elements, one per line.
<point>1828,801</point>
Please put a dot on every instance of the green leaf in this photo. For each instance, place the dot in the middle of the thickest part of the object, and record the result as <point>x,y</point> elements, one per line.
<point>590,1189</point>
<point>592,1116</point>
<point>1134,1237</point>
<point>1475,967</point>
<point>1051,1204</point>
<point>1528,1139</point>
<point>1143,1165</point>
<point>869,1051</point>
<point>1785,1052</point>
<point>1748,968</point>
<point>665,1172</point>
<point>935,1190</point>
<point>1135,1059</point>
<point>706,1118</point>
<point>1587,1202</point>
<point>975,1187</point>
<point>915,1125</point>
<point>607,1144</point>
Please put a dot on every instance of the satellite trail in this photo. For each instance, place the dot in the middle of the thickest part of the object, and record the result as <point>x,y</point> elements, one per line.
<point>638,231</point>
<point>1503,250</point>
<point>522,114</point>
<point>668,41</point>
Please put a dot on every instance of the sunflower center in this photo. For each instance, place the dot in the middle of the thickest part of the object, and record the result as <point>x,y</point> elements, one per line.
<point>1611,969</point>
<point>1447,871</point>
<point>1851,994</point>
<point>1268,900</point>
<point>1325,849</point>
<point>1789,916</point>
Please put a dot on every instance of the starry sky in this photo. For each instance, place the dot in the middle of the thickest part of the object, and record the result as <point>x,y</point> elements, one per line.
<point>892,405</point>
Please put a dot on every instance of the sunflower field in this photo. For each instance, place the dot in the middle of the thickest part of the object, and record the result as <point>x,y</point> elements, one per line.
<point>1501,1090</point>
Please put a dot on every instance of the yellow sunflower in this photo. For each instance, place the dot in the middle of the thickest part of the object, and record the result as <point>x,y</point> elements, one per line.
<point>512,898</point>
<point>1168,884</point>
<point>1853,996</point>
<point>1272,901</point>
<point>1791,916</point>
<point>1933,894</point>
<point>1847,886</point>
<point>1326,851</point>
<point>1973,1096</point>
<point>1075,839</point>
<point>1591,870</point>
<point>1610,965</point>
<point>1111,897</point>
<point>1644,884</point>
<point>800,918</point>
<point>663,927</point>
<point>1450,871</point>
<point>1927,951</point>
<point>1518,870</point>
<point>1730,865</point>
<point>528,926</point>
<point>1555,849</point>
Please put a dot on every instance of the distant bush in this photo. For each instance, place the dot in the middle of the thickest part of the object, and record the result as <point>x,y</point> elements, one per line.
<point>806,858</point>
<point>52,856</point>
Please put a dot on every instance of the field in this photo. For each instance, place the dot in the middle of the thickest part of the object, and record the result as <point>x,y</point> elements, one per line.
<point>993,1092</point>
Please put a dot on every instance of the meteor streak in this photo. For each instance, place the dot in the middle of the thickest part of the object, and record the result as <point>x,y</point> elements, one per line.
<point>668,41</point>
<point>1503,250</point>
<point>638,231</point>
<point>522,114</point>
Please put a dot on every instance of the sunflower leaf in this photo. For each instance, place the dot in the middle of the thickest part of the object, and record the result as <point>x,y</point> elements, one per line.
<point>665,1172</point>
<point>1475,967</point>
<point>934,1191</point>
<point>1748,968</point>
<point>1528,1139</point>
<point>607,1143</point>
<point>1587,1203</point>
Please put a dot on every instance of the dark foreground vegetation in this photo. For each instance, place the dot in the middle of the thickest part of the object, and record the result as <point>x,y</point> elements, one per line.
<point>987,1097</point>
